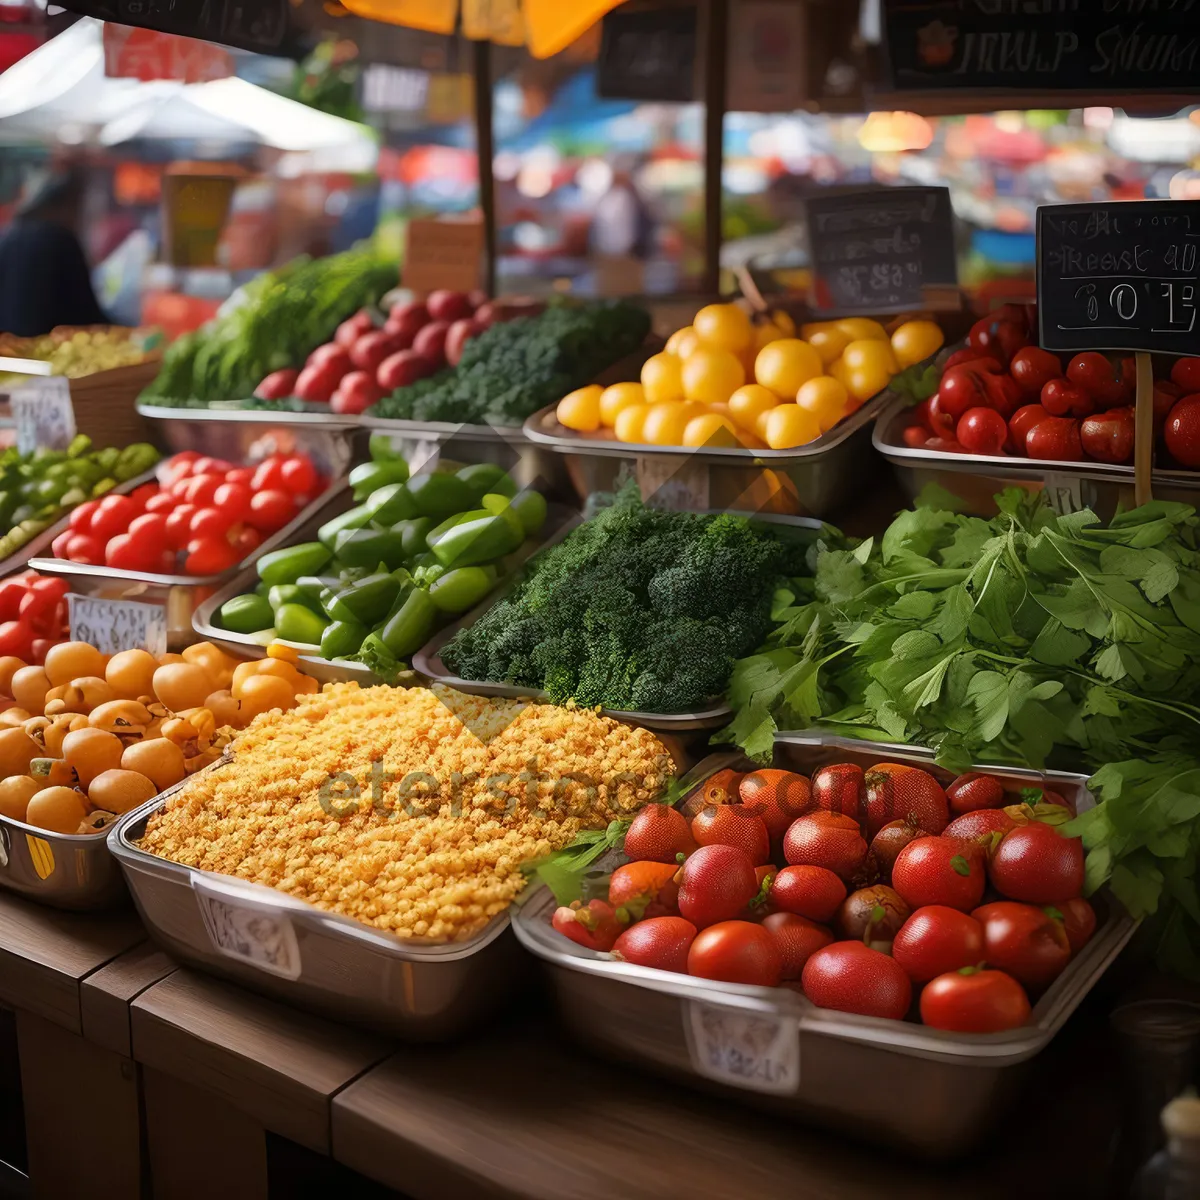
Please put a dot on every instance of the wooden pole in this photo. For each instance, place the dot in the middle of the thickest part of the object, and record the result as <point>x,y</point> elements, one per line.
<point>1143,444</point>
<point>715,57</point>
<point>485,153</point>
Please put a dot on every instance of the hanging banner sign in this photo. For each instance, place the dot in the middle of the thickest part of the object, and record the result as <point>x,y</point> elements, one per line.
<point>148,55</point>
<point>261,25</point>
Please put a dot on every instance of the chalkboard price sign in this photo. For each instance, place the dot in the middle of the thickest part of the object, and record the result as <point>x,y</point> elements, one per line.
<point>875,251</point>
<point>647,55</point>
<point>1122,276</point>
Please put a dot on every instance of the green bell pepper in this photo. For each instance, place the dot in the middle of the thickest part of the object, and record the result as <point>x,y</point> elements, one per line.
<point>354,518</point>
<point>293,593</point>
<point>530,507</point>
<point>298,623</point>
<point>369,477</point>
<point>288,564</point>
<point>370,547</point>
<point>367,601</point>
<point>439,495</point>
<point>487,477</point>
<point>390,504</point>
<point>408,629</point>
<point>342,639</point>
<point>246,614</point>
<point>476,537</point>
<point>413,533</point>
<point>461,589</point>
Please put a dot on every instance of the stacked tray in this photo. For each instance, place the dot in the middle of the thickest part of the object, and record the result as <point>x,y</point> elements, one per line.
<point>924,1090</point>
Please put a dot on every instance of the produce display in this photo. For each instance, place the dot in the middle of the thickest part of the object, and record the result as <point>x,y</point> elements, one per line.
<point>864,891</point>
<point>473,791</point>
<point>77,352</point>
<point>638,609</point>
<point>87,736</point>
<point>383,576</point>
<point>1003,395</point>
<point>516,367</point>
<point>202,517</point>
<point>363,363</point>
<point>726,381</point>
<point>33,615</point>
<point>37,489</point>
<point>273,323</point>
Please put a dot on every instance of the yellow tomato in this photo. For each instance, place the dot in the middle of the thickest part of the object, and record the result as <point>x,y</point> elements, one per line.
<point>857,328</point>
<point>664,424</point>
<point>784,365</point>
<point>790,425</point>
<point>662,378</point>
<point>766,333</point>
<point>784,321</point>
<point>617,397</point>
<point>629,422</point>
<point>748,402</point>
<point>760,423</point>
<point>838,370</point>
<point>829,344</point>
<point>869,354</point>
<point>750,441</point>
<point>864,382</point>
<point>711,375</point>
<point>711,429</point>
<point>687,345</point>
<point>811,327</point>
<point>673,342</point>
<point>580,409</point>
<point>915,340</point>
<point>825,398</point>
<point>723,326</point>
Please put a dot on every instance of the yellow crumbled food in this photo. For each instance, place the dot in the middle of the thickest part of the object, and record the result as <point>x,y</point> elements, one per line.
<point>408,810</point>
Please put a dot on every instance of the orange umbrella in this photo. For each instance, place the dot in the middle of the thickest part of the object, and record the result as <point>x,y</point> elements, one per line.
<point>545,26</point>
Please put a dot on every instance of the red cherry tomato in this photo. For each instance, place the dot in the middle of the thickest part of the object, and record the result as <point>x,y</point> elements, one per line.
<point>1061,398</point>
<point>210,522</point>
<point>982,431</point>
<point>58,547</point>
<point>298,475</point>
<point>210,556</point>
<point>1037,864</point>
<point>177,467</point>
<point>211,466</point>
<point>84,548</point>
<point>271,510</point>
<point>248,539</point>
<point>160,502</point>
<point>268,474</point>
<point>1109,436</point>
<point>234,499</point>
<point>113,516</point>
<point>1055,438</point>
<point>37,655</point>
<point>1111,383</point>
<point>1186,374</point>
<point>594,925</point>
<point>853,978</point>
<point>939,870</point>
<point>736,952</point>
<point>1182,431</point>
<point>81,516</point>
<point>1079,920</point>
<point>968,354</point>
<point>963,387</point>
<point>661,942</point>
<point>126,554</point>
<point>16,639</point>
<point>144,493</point>
<point>150,530</point>
<point>200,489</point>
<point>974,1001</point>
<point>1023,940</point>
<point>1022,421</point>
<point>12,592</point>
<point>242,475</point>
<point>179,526</point>
<point>937,939</point>
<point>1032,368</point>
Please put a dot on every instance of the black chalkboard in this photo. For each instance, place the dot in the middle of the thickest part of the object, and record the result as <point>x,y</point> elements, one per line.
<point>1122,276</point>
<point>648,55</point>
<point>1051,45</point>
<point>874,251</point>
<point>261,25</point>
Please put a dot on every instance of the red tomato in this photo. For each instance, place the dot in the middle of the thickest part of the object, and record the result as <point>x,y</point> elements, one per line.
<point>982,431</point>
<point>1108,437</point>
<point>937,939</point>
<point>80,519</point>
<point>179,526</point>
<point>210,522</point>
<point>211,466</point>
<point>1025,941</point>
<point>242,475</point>
<point>914,436</point>
<point>1037,864</point>
<point>840,788</point>
<point>1079,920</point>
<point>974,1001</point>
<point>126,554</point>
<point>1061,398</point>
<point>826,839</point>
<point>351,329</point>
<point>113,516</point>
<point>247,540</point>
<point>1182,431</point>
<point>658,834</point>
<point>716,885</point>
<point>660,942</point>
<point>234,499</point>
<point>1021,422</point>
<point>299,476</point>
<point>736,952</point>
<point>1032,368</point>
<point>316,385</point>
<point>962,387</point>
<point>645,889</point>
<point>142,493</point>
<point>1002,393</point>
<point>40,606</point>
<point>278,385</point>
<point>899,792</point>
<point>853,978</point>
<point>84,548</point>
<point>982,823</point>
<point>941,420</point>
<point>733,825</point>
<point>58,547</point>
<point>1055,439</point>
<point>268,474</point>
<point>1186,374</point>
<point>371,349</point>
<point>37,656</point>
<point>975,790</point>
<point>201,489</point>
<point>178,466</point>
<point>812,892</point>
<point>332,358</point>
<point>1000,334</point>
<point>12,592</point>
<point>939,870</point>
<point>1165,395</point>
<point>797,940</point>
<point>209,556</point>
<point>150,530</point>
<point>270,510</point>
<point>16,640</point>
<point>1111,383</point>
<point>594,925</point>
<point>161,502</point>
<point>967,354</point>
<point>355,394</point>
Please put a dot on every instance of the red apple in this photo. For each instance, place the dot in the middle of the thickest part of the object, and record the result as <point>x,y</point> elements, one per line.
<point>457,337</point>
<point>430,343</point>
<point>448,306</point>
<point>369,351</point>
<point>356,393</point>
<point>403,368</point>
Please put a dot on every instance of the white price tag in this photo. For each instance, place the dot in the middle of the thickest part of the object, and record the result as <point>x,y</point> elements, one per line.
<point>245,929</point>
<point>115,625</point>
<point>1064,493</point>
<point>752,1050</point>
<point>43,414</point>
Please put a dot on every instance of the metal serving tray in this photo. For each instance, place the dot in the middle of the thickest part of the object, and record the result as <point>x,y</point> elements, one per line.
<point>428,660</point>
<point>296,952</point>
<point>969,482</point>
<point>71,871</point>
<point>558,520</point>
<point>927,1091</point>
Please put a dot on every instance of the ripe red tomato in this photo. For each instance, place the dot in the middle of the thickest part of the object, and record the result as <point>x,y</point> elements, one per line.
<point>1061,398</point>
<point>298,475</point>
<point>980,824</point>
<point>1111,383</point>
<point>853,978</point>
<point>982,431</point>
<point>1001,333</point>
<point>268,474</point>
<point>210,465</point>
<point>179,525</point>
<point>840,788</point>
<point>200,489</point>
<point>113,516</point>
<point>645,889</point>
<point>84,548</point>
<point>123,553</point>
<point>210,556</point>
<point>234,499</point>
<point>351,329</point>
<point>1186,374</point>
<point>660,942</point>
<point>1079,920</point>
<point>332,358</point>
<point>1032,368</point>
<point>80,519</point>
<point>1037,864</point>
<point>797,940</point>
<point>356,393</point>
<point>937,939</point>
<point>733,825</point>
<point>316,385</point>
<point>736,952</point>
<point>16,640</point>
<point>963,387</point>
<point>658,834</point>
<point>160,502</point>
<point>1055,438</point>
<point>975,790</point>
<point>778,797</point>
<point>1182,431</point>
<point>247,539</point>
<point>812,892</point>
<point>1021,422</point>
<point>974,1001</point>
<point>210,522</point>
<point>177,467</point>
<point>149,533</point>
<point>1165,395</point>
<point>1108,436</point>
<point>939,870</point>
<point>942,421</point>
<point>278,385</point>
<point>1025,941</point>
<point>716,885</point>
<point>825,839</point>
<point>242,475</point>
<point>271,510</point>
<point>898,792</point>
<point>141,494</point>
<point>593,925</point>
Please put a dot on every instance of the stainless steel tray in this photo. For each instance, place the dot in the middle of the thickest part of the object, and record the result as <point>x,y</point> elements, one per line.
<point>70,871</point>
<point>290,949</point>
<point>428,660</point>
<point>238,434</point>
<point>927,1091</point>
<point>969,482</point>
<point>558,519</point>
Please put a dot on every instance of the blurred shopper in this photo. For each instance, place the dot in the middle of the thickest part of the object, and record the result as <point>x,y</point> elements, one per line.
<point>44,276</point>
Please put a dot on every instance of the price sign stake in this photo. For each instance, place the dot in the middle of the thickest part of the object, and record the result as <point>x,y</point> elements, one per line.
<point>115,625</point>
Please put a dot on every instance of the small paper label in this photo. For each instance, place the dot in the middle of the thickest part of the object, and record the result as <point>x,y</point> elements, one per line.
<point>43,414</point>
<point>752,1050</point>
<point>1063,492</point>
<point>250,932</point>
<point>115,625</point>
